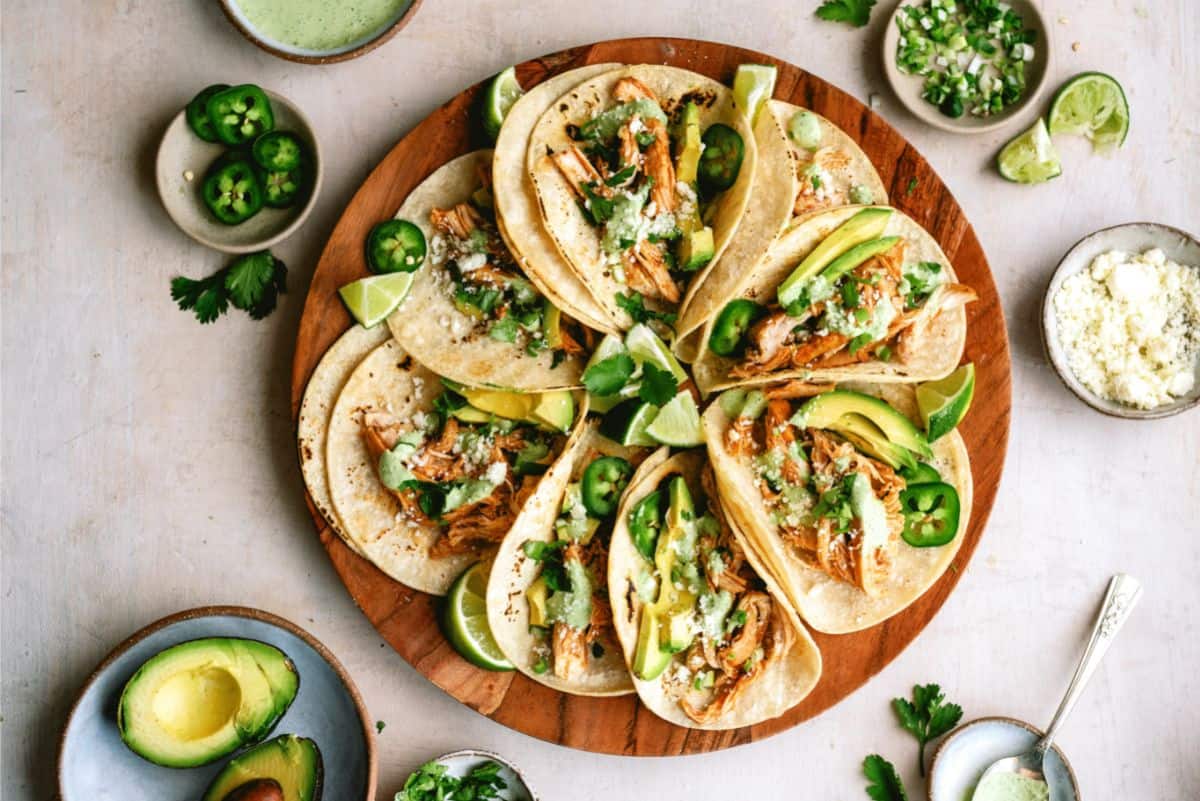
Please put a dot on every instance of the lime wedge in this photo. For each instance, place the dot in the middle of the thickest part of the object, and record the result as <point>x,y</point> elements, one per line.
<point>1093,105</point>
<point>371,300</point>
<point>464,620</point>
<point>1030,158</point>
<point>627,423</point>
<point>943,404</point>
<point>645,346</point>
<point>498,98</point>
<point>677,423</point>
<point>752,85</point>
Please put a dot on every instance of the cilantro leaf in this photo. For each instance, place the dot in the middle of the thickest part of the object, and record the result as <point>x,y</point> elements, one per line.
<point>248,278</point>
<point>607,376</point>
<point>205,297</point>
<point>252,283</point>
<point>431,782</point>
<point>926,717</point>
<point>635,306</point>
<point>658,385</point>
<point>885,784</point>
<point>379,726</point>
<point>504,330</point>
<point>854,12</point>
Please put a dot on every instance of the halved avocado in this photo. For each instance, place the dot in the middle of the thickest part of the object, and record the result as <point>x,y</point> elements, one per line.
<point>824,410</point>
<point>868,438</point>
<point>293,762</point>
<point>200,700</point>
<point>867,224</point>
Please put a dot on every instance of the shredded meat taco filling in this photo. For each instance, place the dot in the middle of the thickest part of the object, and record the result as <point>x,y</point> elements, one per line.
<point>470,480</point>
<point>735,627</point>
<point>487,286</point>
<point>874,311</point>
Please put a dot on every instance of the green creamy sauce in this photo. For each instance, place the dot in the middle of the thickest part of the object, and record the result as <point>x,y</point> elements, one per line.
<point>1011,787</point>
<point>320,24</point>
<point>575,607</point>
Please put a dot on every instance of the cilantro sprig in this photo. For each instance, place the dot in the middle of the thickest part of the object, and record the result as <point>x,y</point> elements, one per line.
<point>885,784</point>
<point>431,782</point>
<point>927,716</point>
<point>252,283</point>
<point>853,12</point>
<point>635,305</point>
<point>608,376</point>
<point>658,385</point>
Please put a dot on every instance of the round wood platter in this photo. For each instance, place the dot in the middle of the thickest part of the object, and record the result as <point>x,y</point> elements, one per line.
<point>408,619</point>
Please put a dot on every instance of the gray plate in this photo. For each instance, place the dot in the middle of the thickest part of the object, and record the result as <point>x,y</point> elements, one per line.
<point>95,765</point>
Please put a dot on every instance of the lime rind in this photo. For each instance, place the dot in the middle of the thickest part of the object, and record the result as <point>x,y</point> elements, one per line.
<point>944,403</point>
<point>465,621</point>
<point>1092,105</point>
<point>501,94</point>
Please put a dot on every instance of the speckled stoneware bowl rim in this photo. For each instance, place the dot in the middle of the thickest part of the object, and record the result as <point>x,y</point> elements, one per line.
<point>249,613</point>
<point>485,754</point>
<point>258,40</point>
<point>933,764</point>
<point>179,121</point>
<point>1054,350</point>
<point>902,84</point>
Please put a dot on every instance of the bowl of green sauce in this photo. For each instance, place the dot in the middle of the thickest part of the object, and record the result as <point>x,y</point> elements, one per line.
<point>319,31</point>
<point>966,753</point>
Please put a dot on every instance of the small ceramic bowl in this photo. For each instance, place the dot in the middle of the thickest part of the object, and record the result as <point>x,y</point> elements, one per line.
<point>183,158</point>
<point>292,52</point>
<point>1179,246</point>
<point>970,749</point>
<point>460,763</point>
<point>94,763</point>
<point>908,87</point>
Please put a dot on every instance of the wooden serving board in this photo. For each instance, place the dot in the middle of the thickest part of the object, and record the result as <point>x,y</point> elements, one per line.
<point>407,619</point>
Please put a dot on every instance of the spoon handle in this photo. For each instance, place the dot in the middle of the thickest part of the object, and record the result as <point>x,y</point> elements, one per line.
<point>1123,594</point>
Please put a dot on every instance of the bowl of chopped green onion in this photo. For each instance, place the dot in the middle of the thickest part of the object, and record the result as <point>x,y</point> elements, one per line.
<point>967,66</point>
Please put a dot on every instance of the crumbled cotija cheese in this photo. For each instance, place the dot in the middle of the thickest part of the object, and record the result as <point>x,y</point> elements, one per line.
<point>1130,326</point>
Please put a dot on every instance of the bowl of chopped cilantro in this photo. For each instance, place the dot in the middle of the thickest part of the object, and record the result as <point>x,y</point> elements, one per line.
<point>967,66</point>
<point>467,774</point>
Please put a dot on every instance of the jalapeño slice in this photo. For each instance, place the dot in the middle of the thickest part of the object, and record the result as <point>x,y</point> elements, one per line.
<point>231,190</point>
<point>722,158</point>
<point>240,114</point>
<point>603,482</point>
<point>931,514</point>
<point>732,324</point>
<point>281,188</point>
<point>197,112</point>
<point>395,246</point>
<point>278,151</point>
<point>644,521</point>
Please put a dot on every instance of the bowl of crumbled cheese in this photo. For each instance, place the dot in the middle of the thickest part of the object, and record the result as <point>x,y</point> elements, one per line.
<point>1121,320</point>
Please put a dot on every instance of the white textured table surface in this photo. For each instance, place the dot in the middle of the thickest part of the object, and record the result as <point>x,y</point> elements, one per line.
<point>148,463</point>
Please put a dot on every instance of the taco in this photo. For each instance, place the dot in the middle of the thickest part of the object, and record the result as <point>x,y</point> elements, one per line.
<point>709,639</point>
<point>857,293</point>
<point>517,213</point>
<point>471,313</point>
<point>856,512</point>
<point>831,169</point>
<point>548,605</point>
<point>426,477</point>
<point>642,175</point>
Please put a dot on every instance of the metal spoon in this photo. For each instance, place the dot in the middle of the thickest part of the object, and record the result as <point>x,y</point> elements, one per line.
<point>1123,594</point>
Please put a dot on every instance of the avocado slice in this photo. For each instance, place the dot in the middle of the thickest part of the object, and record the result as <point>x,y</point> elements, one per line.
<point>696,249</point>
<point>552,325</point>
<point>863,226</point>
<point>292,762</point>
<point>200,700</point>
<point>856,256</point>
<point>868,438</point>
<point>469,414</point>
<point>650,659</point>
<point>555,409</point>
<point>687,164</point>
<point>536,595</point>
<point>824,410</point>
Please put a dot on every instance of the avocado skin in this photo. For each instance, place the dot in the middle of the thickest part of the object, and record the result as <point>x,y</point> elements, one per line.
<point>277,671</point>
<point>293,762</point>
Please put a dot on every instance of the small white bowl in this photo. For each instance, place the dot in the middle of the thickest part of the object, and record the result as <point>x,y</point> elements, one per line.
<point>1178,245</point>
<point>908,87</point>
<point>969,750</point>
<point>460,763</point>
<point>182,154</point>
<point>292,52</point>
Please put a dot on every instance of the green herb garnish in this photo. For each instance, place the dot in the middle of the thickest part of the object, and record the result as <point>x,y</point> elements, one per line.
<point>251,283</point>
<point>853,12</point>
<point>658,385</point>
<point>927,716</point>
<point>885,784</point>
<point>608,376</point>
<point>431,782</point>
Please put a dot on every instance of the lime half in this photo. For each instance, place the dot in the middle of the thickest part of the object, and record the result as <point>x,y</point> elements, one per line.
<point>627,423</point>
<point>498,98</point>
<point>677,423</point>
<point>1093,105</point>
<point>1030,158</point>
<point>943,404</point>
<point>372,299</point>
<point>465,620</point>
<point>645,346</point>
<point>752,85</point>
